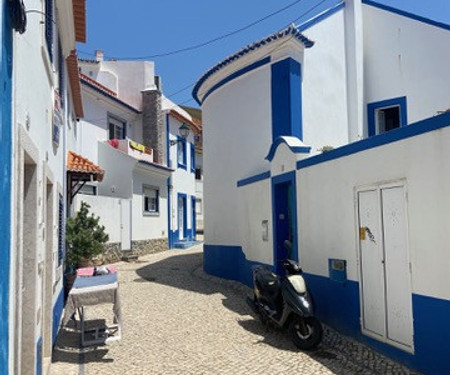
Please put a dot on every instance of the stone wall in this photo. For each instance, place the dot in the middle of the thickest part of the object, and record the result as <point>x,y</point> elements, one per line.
<point>153,124</point>
<point>113,252</point>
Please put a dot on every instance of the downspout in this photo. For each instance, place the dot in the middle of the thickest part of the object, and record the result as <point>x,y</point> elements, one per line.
<point>169,187</point>
<point>353,24</point>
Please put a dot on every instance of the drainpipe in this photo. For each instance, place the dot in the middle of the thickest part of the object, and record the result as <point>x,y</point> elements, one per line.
<point>355,74</point>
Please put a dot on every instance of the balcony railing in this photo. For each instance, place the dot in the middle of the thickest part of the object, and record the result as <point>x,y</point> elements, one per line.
<point>132,148</point>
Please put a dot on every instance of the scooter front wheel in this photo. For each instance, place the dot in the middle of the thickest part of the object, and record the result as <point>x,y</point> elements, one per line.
<point>306,333</point>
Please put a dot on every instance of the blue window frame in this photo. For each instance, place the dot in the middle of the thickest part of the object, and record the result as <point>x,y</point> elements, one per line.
<point>386,115</point>
<point>181,153</point>
<point>192,158</point>
<point>61,230</point>
<point>49,27</point>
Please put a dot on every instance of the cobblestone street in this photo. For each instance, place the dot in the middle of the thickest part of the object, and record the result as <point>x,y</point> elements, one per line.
<point>177,320</point>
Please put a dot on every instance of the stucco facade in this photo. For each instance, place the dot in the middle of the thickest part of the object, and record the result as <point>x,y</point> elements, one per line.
<point>308,134</point>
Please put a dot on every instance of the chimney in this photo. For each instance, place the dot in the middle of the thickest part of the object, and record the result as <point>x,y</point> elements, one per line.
<point>153,123</point>
<point>99,55</point>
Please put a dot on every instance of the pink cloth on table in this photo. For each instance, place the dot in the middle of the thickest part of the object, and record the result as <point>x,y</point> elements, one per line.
<point>89,271</point>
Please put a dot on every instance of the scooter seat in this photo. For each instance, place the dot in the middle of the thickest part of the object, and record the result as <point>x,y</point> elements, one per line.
<point>268,282</point>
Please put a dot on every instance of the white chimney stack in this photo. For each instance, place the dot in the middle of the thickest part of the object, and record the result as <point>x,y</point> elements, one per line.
<point>99,55</point>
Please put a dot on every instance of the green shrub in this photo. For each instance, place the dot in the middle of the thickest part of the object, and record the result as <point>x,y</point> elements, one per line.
<point>84,237</point>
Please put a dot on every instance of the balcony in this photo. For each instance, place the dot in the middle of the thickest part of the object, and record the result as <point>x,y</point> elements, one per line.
<point>133,149</point>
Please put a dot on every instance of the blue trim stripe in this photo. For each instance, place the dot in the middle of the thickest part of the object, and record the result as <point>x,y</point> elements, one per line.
<point>295,149</point>
<point>6,59</point>
<point>58,308</point>
<point>117,100</point>
<point>372,107</point>
<point>252,179</point>
<point>286,98</point>
<point>421,127</point>
<point>291,30</point>
<point>235,75</point>
<point>322,16</point>
<point>403,13</point>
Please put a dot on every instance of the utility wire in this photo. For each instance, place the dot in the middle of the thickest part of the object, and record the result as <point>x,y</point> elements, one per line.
<point>293,21</point>
<point>203,44</point>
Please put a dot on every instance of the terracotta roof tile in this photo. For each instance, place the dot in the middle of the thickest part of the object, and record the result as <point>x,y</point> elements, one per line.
<point>75,86</point>
<point>78,163</point>
<point>79,17</point>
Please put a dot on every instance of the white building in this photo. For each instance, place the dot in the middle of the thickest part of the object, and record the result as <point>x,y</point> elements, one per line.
<point>368,218</point>
<point>41,103</point>
<point>128,130</point>
<point>196,115</point>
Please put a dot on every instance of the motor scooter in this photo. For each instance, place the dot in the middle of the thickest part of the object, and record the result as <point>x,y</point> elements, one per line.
<point>285,302</point>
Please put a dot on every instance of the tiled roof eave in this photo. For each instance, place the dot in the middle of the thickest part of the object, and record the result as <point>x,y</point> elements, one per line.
<point>291,30</point>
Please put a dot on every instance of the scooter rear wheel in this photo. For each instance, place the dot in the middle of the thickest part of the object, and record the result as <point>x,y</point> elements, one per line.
<point>306,333</point>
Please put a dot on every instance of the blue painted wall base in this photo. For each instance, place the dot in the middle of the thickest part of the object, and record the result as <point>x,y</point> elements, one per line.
<point>337,305</point>
<point>57,315</point>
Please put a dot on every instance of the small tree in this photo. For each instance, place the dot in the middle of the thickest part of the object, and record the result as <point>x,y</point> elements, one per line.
<point>84,237</point>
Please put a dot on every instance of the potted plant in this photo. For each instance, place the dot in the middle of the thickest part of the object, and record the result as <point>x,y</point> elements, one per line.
<point>84,239</point>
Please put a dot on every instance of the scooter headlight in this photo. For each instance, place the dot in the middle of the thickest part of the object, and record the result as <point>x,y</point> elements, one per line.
<point>298,282</point>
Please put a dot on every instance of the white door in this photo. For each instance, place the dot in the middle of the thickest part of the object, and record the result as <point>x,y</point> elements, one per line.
<point>125,224</point>
<point>180,218</point>
<point>371,259</point>
<point>385,274</point>
<point>398,289</point>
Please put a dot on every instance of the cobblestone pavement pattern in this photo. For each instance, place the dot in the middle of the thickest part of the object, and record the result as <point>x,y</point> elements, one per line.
<point>178,320</point>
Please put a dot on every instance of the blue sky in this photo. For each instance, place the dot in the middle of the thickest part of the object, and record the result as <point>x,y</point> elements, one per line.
<point>138,28</point>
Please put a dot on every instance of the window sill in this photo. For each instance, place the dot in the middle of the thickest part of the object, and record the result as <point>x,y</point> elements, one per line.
<point>150,214</point>
<point>182,166</point>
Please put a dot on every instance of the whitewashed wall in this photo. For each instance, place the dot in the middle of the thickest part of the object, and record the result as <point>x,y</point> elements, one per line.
<point>147,226</point>
<point>108,209</point>
<point>183,181</point>
<point>255,206</point>
<point>326,207</point>
<point>237,135</point>
<point>403,56</point>
<point>324,92</point>
<point>94,126</point>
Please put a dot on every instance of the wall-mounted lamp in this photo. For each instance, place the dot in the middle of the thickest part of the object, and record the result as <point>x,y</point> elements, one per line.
<point>184,131</point>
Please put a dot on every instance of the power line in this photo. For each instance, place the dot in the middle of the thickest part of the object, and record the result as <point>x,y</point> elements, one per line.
<point>203,44</point>
<point>293,21</point>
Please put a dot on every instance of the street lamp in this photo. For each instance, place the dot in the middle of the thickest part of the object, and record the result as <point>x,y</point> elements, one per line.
<point>183,130</point>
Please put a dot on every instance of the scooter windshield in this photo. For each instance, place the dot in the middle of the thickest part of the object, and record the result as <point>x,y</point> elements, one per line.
<point>298,282</point>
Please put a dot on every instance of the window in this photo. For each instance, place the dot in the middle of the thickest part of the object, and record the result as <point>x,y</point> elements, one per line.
<point>61,230</point>
<point>386,115</point>
<point>151,200</point>
<point>198,206</point>
<point>198,173</point>
<point>117,128</point>
<point>49,27</point>
<point>192,158</point>
<point>181,153</point>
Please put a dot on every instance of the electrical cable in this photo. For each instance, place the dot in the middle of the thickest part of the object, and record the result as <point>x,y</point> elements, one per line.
<point>203,44</point>
<point>293,21</point>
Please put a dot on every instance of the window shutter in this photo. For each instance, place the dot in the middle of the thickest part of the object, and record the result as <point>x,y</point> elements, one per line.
<point>49,27</point>
<point>61,231</point>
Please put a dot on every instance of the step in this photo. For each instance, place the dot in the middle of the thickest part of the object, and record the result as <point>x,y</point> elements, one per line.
<point>130,257</point>
<point>185,244</point>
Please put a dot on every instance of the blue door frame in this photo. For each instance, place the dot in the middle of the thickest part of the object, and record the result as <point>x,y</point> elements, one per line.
<point>6,56</point>
<point>194,218</point>
<point>284,218</point>
<point>184,198</point>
